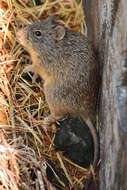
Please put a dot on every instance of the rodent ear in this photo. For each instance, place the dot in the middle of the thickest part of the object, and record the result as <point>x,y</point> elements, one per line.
<point>52,19</point>
<point>59,32</point>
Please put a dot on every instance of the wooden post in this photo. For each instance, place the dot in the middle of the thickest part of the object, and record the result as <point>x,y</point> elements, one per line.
<point>113,108</point>
<point>112,48</point>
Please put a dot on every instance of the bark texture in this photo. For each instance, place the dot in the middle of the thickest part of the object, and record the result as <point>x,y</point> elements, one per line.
<point>110,38</point>
<point>113,108</point>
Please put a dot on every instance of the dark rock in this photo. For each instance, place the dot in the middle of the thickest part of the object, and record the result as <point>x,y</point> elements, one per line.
<point>74,138</point>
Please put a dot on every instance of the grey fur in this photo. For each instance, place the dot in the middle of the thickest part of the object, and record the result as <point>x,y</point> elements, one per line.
<point>71,63</point>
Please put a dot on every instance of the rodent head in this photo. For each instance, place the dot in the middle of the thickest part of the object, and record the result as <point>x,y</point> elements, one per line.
<point>42,36</point>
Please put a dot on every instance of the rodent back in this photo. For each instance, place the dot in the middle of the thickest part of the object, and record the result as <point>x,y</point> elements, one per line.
<point>68,57</point>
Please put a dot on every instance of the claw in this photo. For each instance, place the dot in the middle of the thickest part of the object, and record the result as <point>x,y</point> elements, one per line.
<point>35,76</point>
<point>30,68</point>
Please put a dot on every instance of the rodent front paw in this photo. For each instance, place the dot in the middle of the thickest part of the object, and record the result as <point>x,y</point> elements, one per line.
<point>30,68</point>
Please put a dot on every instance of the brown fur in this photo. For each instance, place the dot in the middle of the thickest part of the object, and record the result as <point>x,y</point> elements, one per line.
<point>66,61</point>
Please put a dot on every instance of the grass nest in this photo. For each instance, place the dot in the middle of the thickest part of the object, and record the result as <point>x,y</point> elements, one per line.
<point>25,146</point>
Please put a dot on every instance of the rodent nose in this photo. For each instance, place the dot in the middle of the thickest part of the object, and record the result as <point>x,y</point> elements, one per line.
<point>20,35</point>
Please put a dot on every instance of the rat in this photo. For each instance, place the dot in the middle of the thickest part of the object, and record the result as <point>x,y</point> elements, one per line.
<point>66,61</point>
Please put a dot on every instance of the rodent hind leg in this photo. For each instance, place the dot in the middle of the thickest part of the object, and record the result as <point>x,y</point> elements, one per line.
<point>48,120</point>
<point>55,116</point>
<point>51,119</point>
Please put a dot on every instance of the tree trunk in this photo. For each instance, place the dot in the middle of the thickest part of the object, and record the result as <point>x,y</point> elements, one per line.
<point>112,48</point>
<point>113,108</point>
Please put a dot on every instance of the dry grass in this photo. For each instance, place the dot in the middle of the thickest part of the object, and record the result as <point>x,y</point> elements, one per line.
<point>24,144</point>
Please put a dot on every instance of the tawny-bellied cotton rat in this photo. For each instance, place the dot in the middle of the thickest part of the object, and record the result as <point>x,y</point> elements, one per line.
<point>67,63</point>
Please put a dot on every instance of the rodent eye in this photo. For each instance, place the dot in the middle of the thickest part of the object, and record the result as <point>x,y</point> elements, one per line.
<point>37,33</point>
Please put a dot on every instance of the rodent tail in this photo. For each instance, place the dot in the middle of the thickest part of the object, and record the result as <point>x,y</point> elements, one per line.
<point>96,151</point>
